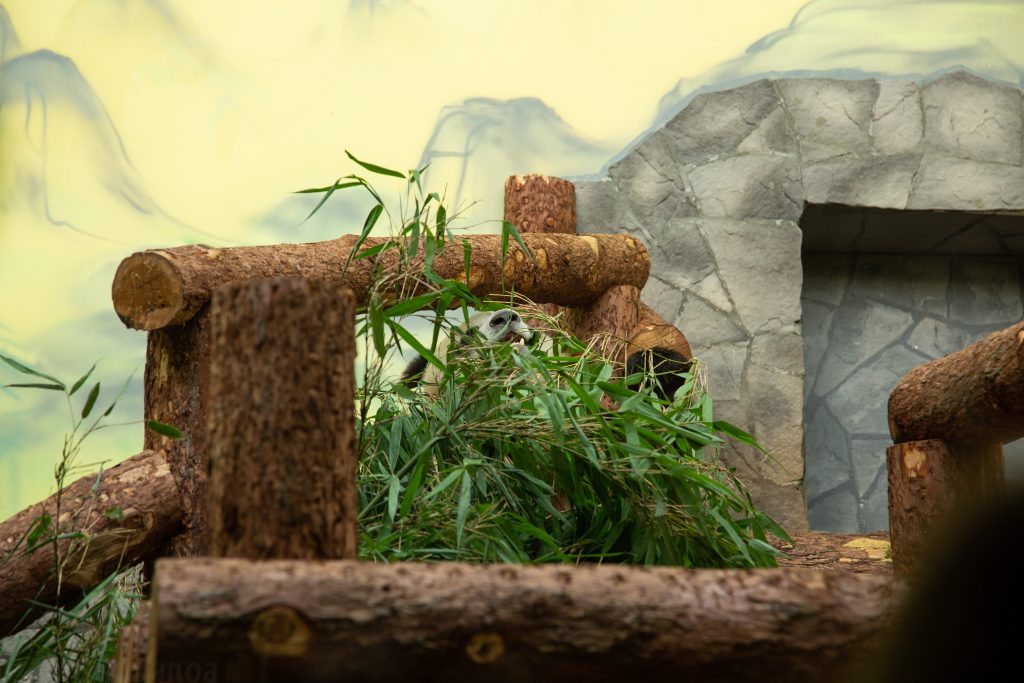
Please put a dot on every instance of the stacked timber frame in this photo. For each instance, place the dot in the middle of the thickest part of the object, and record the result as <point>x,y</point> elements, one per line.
<point>243,600</point>
<point>291,620</point>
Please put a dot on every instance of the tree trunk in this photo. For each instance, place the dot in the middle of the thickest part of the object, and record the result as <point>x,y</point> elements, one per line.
<point>176,387</point>
<point>973,395</point>
<point>928,482</point>
<point>160,288</point>
<point>288,620</point>
<point>281,420</point>
<point>125,515</point>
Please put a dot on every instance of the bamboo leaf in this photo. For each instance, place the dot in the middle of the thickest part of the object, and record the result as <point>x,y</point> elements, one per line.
<point>163,429</point>
<point>90,400</point>
<point>26,370</point>
<point>374,168</point>
<point>465,497</point>
<point>81,380</point>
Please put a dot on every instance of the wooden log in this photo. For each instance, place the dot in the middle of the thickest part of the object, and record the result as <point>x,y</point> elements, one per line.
<point>652,331</point>
<point>281,420</point>
<point>973,395</point>
<point>929,482</point>
<point>129,664</point>
<point>540,204</point>
<point>609,319</point>
<point>176,388</point>
<point>160,288</point>
<point>343,620</point>
<point>125,515</point>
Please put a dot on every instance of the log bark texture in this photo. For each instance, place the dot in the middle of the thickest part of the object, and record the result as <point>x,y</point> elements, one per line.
<point>129,664</point>
<point>929,481</point>
<point>176,389</point>
<point>976,394</point>
<point>126,515</point>
<point>160,288</point>
<point>442,622</point>
<point>651,331</point>
<point>281,420</point>
<point>540,204</point>
<point>610,318</point>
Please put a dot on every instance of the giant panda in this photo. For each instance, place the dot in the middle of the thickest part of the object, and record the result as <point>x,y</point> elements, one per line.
<point>489,327</point>
<point>666,366</point>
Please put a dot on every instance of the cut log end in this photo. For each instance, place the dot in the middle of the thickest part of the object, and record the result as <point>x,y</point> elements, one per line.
<point>148,294</point>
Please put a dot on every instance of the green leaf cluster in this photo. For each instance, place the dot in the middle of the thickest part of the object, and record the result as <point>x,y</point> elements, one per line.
<point>527,455</point>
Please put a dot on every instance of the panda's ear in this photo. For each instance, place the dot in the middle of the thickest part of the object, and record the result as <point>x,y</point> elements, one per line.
<point>464,337</point>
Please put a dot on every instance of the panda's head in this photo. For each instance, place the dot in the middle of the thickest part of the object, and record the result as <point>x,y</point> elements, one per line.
<point>489,327</point>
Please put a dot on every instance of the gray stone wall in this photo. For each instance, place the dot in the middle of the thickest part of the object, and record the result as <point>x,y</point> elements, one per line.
<point>717,193</point>
<point>868,318</point>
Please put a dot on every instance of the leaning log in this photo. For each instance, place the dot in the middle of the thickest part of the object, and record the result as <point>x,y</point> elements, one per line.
<point>973,395</point>
<point>281,420</point>
<point>606,321</point>
<point>164,287</point>
<point>123,516</point>
<point>291,620</point>
<point>652,331</point>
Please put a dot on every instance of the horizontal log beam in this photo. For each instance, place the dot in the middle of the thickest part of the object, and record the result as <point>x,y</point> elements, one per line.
<point>344,620</point>
<point>159,288</point>
<point>973,395</point>
<point>127,518</point>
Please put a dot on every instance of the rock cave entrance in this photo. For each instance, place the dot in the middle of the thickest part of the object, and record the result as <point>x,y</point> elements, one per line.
<point>883,291</point>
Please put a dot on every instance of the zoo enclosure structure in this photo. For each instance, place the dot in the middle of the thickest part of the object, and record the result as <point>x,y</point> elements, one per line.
<point>446,619</point>
<point>294,500</point>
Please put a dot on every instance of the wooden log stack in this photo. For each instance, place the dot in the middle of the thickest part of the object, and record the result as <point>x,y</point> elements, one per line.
<point>167,293</point>
<point>623,324</point>
<point>257,370</point>
<point>948,420</point>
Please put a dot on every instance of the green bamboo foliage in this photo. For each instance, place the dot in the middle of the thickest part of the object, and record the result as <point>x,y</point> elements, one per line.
<point>527,455</point>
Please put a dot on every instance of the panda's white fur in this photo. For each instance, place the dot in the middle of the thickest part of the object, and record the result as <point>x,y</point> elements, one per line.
<point>488,327</point>
<point>667,367</point>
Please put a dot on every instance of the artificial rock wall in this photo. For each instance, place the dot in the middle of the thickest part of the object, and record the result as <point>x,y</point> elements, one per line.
<point>722,195</point>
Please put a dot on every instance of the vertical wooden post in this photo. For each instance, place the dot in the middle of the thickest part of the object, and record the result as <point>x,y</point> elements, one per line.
<point>281,420</point>
<point>546,204</point>
<point>176,387</point>
<point>541,204</point>
<point>930,480</point>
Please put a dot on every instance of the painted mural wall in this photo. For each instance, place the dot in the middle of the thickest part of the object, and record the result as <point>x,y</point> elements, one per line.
<point>162,122</point>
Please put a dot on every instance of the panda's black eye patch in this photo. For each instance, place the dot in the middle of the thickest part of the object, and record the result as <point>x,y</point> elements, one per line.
<point>503,317</point>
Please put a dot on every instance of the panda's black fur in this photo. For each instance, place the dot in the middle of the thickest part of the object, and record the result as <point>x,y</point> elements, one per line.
<point>668,367</point>
<point>494,327</point>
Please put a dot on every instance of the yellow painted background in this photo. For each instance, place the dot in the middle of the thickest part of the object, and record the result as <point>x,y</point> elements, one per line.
<point>126,125</point>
